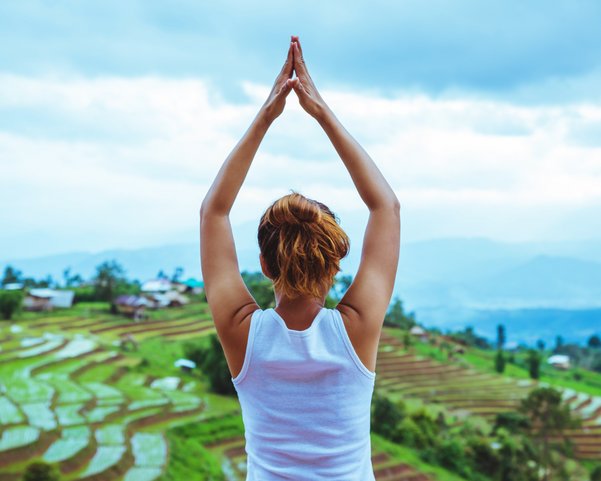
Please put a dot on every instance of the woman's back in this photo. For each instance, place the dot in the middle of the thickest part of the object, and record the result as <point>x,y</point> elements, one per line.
<point>305,398</point>
<point>305,394</point>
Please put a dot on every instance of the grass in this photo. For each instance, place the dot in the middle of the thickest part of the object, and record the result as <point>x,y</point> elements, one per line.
<point>411,457</point>
<point>139,473</point>
<point>149,449</point>
<point>68,415</point>
<point>483,361</point>
<point>40,415</point>
<point>28,390</point>
<point>9,413</point>
<point>189,458</point>
<point>73,440</point>
<point>104,458</point>
<point>18,436</point>
<point>111,434</point>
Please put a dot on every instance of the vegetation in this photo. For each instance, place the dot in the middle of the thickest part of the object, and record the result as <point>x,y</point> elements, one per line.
<point>189,459</point>
<point>464,450</point>
<point>110,281</point>
<point>41,471</point>
<point>534,360</point>
<point>500,361</point>
<point>260,288</point>
<point>548,417</point>
<point>525,444</point>
<point>12,275</point>
<point>501,337</point>
<point>10,303</point>
<point>211,360</point>
<point>396,316</point>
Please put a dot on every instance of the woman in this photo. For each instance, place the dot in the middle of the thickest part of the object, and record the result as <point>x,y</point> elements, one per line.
<point>304,374</point>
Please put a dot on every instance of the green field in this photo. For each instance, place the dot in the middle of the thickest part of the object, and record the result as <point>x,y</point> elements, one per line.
<point>71,396</point>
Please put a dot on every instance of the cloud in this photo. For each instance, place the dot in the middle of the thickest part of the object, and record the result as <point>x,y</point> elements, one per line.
<point>489,48</point>
<point>101,162</point>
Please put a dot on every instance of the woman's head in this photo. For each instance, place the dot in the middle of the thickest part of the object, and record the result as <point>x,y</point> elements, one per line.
<point>301,244</point>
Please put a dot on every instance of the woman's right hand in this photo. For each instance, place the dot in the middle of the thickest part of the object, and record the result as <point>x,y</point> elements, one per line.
<point>303,85</point>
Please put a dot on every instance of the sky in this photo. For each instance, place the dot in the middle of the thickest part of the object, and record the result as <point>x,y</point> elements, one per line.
<point>485,117</point>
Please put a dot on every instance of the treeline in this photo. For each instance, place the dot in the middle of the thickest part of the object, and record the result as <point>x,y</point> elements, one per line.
<point>108,282</point>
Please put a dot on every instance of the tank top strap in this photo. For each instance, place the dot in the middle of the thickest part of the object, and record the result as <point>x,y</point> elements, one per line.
<point>343,333</point>
<point>255,321</point>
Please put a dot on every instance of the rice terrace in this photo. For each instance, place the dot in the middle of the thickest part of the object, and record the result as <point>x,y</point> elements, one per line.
<point>74,394</point>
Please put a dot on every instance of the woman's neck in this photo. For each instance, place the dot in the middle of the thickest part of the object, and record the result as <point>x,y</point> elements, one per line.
<point>296,311</point>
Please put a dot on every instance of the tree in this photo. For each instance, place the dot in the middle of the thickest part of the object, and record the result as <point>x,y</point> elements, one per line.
<point>386,416</point>
<point>513,422</point>
<point>341,285</point>
<point>396,316</point>
<point>260,287</point>
<point>469,337</point>
<point>540,344</point>
<point>41,471</point>
<point>71,280</point>
<point>11,275</point>
<point>10,302</point>
<point>177,274</point>
<point>596,473</point>
<point>499,361</point>
<point>109,281</point>
<point>594,342</point>
<point>515,453</point>
<point>500,336</point>
<point>212,362</point>
<point>533,360</point>
<point>549,416</point>
<point>558,343</point>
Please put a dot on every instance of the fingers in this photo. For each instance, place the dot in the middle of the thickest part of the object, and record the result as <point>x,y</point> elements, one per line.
<point>295,39</point>
<point>298,87</point>
<point>299,62</point>
<point>285,88</point>
<point>288,68</point>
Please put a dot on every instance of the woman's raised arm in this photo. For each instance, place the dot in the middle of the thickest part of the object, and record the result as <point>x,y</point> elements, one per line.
<point>229,300</point>
<point>368,297</point>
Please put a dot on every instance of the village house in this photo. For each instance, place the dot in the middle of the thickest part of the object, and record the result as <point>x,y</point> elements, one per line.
<point>132,306</point>
<point>44,299</point>
<point>559,361</point>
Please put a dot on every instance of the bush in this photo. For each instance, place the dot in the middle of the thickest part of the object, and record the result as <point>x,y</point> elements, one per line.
<point>189,459</point>
<point>483,457</point>
<point>596,474</point>
<point>10,302</point>
<point>41,471</point>
<point>84,294</point>
<point>385,416</point>
<point>409,434</point>
<point>212,362</point>
<point>533,362</point>
<point>260,287</point>
<point>499,361</point>
<point>451,455</point>
<point>512,421</point>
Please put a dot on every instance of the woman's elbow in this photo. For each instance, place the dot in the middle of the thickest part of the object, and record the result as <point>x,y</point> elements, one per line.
<point>396,206</point>
<point>211,209</point>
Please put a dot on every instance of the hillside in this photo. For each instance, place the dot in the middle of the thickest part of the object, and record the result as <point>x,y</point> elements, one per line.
<point>71,395</point>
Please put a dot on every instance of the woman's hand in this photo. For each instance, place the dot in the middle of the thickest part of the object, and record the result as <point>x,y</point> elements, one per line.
<point>274,105</point>
<point>303,85</point>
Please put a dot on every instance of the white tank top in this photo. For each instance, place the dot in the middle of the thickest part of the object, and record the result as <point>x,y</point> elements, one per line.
<point>305,399</point>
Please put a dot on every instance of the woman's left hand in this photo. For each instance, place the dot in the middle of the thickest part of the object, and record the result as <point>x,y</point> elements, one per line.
<point>274,105</point>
